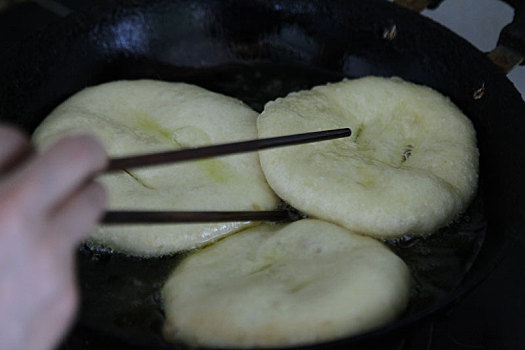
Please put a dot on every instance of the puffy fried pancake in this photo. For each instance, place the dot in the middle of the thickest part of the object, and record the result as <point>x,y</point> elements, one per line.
<point>278,285</point>
<point>409,167</point>
<point>136,117</point>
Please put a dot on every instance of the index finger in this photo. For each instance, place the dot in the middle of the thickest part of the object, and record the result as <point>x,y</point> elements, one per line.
<point>63,168</point>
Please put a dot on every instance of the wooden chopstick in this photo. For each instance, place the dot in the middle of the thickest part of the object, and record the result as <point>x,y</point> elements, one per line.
<point>222,149</point>
<point>166,217</point>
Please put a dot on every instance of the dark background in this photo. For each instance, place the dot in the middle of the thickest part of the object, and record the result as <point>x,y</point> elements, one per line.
<point>491,317</point>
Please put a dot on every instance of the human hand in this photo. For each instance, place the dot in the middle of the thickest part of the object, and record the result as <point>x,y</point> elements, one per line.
<point>48,203</point>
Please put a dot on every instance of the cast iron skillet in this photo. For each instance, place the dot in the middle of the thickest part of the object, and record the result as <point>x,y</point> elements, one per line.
<point>258,50</point>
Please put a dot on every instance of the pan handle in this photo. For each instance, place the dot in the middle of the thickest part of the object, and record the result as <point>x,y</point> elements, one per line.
<point>510,50</point>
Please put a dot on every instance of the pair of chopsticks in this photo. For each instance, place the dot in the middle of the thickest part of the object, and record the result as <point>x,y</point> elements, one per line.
<point>136,217</point>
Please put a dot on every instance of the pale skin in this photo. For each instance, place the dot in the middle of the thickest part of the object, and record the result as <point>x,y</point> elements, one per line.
<point>48,203</point>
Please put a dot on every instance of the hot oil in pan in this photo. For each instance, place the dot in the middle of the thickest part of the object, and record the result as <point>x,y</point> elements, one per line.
<point>121,295</point>
<point>439,262</point>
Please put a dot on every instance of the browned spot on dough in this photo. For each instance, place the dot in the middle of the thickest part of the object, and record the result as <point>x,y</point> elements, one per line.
<point>261,269</point>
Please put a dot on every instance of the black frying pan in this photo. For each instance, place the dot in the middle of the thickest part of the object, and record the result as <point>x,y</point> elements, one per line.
<point>258,50</point>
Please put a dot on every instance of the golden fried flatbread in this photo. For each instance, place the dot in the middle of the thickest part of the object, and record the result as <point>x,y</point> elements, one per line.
<point>409,167</point>
<point>280,285</point>
<point>137,117</point>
